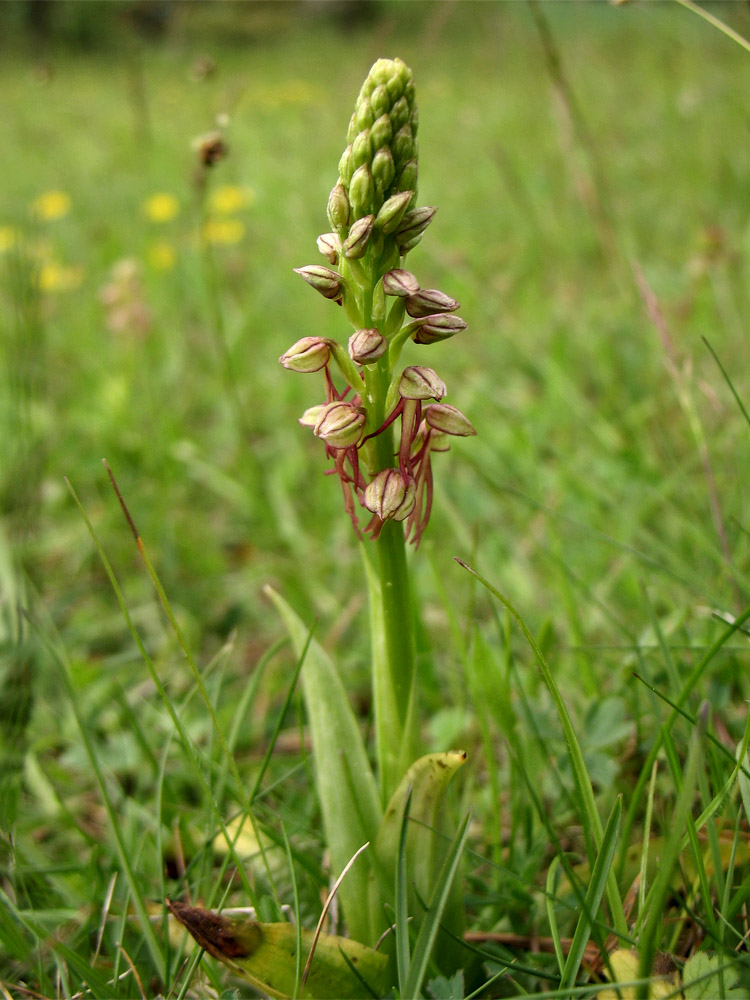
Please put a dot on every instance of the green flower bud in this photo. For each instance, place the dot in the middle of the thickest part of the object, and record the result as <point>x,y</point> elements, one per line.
<point>329,245</point>
<point>407,179</point>
<point>403,146</point>
<point>383,170</point>
<point>420,383</point>
<point>340,424</point>
<point>392,211</point>
<point>400,114</point>
<point>361,191</point>
<point>309,354</point>
<point>380,101</point>
<point>311,416</point>
<point>364,113</point>
<point>436,328</point>
<point>389,496</point>
<point>338,207</point>
<point>322,279</point>
<point>448,420</point>
<point>361,149</point>
<point>428,301</point>
<point>400,282</point>
<point>381,132</point>
<point>355,245</point>
<point>345,165</point>
<point>353,128</point>
<point>367,346</point>
<point>412,227</point>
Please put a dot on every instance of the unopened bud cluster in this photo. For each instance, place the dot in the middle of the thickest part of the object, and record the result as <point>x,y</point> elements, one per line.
<point>375,222</point>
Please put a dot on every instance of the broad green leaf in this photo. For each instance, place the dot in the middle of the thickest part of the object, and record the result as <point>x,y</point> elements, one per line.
<point>707,977</point>
<point>442,988</point>
<point>265,955</point>
<point>345,783</point>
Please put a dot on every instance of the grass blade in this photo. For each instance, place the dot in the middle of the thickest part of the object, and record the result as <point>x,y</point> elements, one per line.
<point>431,923</point>
<point>403,957</point>
<point>648,942</point>
<point>594,894</point>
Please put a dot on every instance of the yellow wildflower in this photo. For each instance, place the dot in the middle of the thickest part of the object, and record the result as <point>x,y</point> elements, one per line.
<point>228,199</point>
<point>223,231</point>
<point>8,238</point>
<point>161,207</point>
<point>60,277</point>
<point>51,205</point>
<point>161,256</point>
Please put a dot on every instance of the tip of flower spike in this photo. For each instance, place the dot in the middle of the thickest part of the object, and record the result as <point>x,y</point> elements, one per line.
<point>380,159</point>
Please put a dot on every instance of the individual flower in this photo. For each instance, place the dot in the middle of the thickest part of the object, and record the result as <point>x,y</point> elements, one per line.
<point>367,346</point>
<point>389,495</point>
<point>340,424</point>
<point>440,326</point>
<point>329,245</point>
<point>448,420</point>
<point>322,279</point>
<point>427,301</point>
<point>418,382</point>
<point>309,354</point>
<point>51,205</point>
<point>161,207</point>
<point>400,282</point>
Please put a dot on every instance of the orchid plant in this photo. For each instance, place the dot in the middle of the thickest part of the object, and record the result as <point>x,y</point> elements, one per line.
<point>403,891</point>
<point>375,222</point>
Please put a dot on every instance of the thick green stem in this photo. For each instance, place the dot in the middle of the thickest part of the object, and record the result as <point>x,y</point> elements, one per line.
<point>398,624</point>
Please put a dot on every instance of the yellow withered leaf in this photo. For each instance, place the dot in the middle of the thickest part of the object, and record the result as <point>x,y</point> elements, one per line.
<point>624,965</point>
<point>265,955</point>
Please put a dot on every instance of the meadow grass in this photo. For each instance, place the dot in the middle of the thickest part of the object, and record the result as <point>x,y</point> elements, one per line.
<point>593,245</point>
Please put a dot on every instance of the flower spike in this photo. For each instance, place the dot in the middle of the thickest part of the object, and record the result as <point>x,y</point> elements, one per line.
<point>382,427</point>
